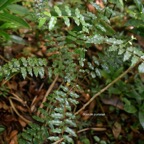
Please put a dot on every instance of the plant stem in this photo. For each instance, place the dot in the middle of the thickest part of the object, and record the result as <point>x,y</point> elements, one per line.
<point>108,86</point>
<point>47,93</point>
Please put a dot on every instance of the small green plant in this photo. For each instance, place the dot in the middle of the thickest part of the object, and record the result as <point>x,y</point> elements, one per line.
<point>11,18</point>
<point>57,124</point>
<point>72,37</point>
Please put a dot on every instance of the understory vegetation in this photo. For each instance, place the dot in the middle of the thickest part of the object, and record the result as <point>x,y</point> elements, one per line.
<point>71,72</point>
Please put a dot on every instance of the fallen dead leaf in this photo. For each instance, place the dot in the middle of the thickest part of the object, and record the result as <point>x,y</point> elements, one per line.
<point>91,8</point>
<point>22,123</point>
<point>100,3</point>
<point>91,106</point>
<point>86,97</point>
<point>114,101</point>
<point>4,106</point>
<point>116,129</point>
<point>14,140</point>
<point>13,133</point>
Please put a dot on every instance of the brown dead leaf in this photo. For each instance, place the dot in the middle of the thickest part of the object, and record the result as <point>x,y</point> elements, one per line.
<point>12,85</point>
<point>22,123</point>
<point>114,101</point>
<point>4,106</point>
<point>100,3</point>
<point>13,137</point>
<point>140,40</point>
<point>13,133</point>
<point>85,97</point>
<point>91,8</point>
<point>91,106</point>
<point>22,84</point>
<point>116,129</point>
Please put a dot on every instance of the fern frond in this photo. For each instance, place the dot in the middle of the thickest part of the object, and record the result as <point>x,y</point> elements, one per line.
<point>32,66</point>
<point>66,14</point>
<point>57,123</point>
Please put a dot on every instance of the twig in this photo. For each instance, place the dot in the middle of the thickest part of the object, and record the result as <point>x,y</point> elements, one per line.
<point>60,140</point>
<point>16,97</point>
<point>3,58</point>
<point>12,105</point>
<point>108,86</point>
<point>95,129</point>
<point>47,93</point>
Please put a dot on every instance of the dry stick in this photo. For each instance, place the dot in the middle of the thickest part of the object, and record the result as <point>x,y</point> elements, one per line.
<point>108,86</point>
<point>12,105</point>
<point>95,129</point>
<point>47,93</point>
<point>57,142</point>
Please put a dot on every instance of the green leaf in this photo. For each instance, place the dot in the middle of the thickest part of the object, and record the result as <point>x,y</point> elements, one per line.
<point>139,4</point>
<point>68,139</point>
<point>102,142</point>
<point>29,70</point>
<point>127,55</point>
<point>85,140</point>
<point>135,22</point>
<point>18,9</point>
<point>24,72</point>
<point>8,25</point>
<point>52,22</point>
<point>141,118</point>
<point>85,29</point>
<point>76,20</point>
<point>16,63</point>
<point>121,4</point>
<point>134,60</point>
<point>47,13</point>
<point>31,61</point>
<point>24,61</point>
<point>57,130</point>
<point>68,11</point>
<point>141,68</point>
<point>14,19</point>
<point>41,72</point>
<point>128,107</point>
<point>42,22</point>
<point>36,71</point>
<point>77,13</point>
<point>96,138</point>
<point>26,136</point>
<point>53,138</point>
<point>70,131</point>
<point>41,62</point>
<point>58,11</point>
<point>4,3</point>
<point>18,40</point>
<point>4,35</point>
<point>113,41</point>
<point>67,21</point>
<point>96,39</point>
<point>2,128</point>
